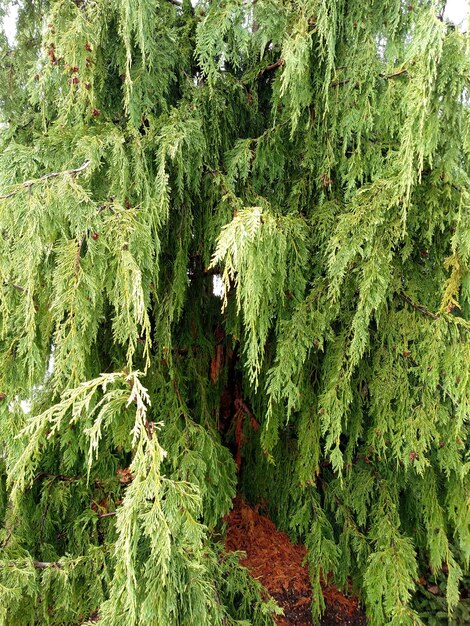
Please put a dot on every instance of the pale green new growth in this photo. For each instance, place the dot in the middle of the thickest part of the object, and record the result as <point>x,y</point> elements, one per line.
<point>308,158</point>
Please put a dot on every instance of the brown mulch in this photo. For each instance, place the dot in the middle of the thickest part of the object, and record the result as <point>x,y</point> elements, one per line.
<point>277,562</point>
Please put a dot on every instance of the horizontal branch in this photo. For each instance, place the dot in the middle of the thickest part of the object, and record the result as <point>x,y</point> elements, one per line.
<point>59,477</point>
<point>403,70</point>
<point>110,514</point>
<point>47,564</point>
<point>29,183</point>
<point>390,76</point>
<point>68,479</point>
<point>40,564</point>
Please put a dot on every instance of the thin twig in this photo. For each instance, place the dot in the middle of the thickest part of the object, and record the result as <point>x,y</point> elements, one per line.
<point>338,83</point>
<point>17,287</point>
<point>419,307</point>
<point>110,514</point>
<point>67,479</point>
<point>345,81</point>
<point>103,207</point>
<point>403,70</point>
<point>29,183</point>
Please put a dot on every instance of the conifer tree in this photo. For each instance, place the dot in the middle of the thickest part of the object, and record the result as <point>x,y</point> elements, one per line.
<point>309,158</point>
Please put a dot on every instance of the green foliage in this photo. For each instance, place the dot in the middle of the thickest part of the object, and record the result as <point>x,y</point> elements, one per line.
<point>313,157</point>
<point>432,606</point>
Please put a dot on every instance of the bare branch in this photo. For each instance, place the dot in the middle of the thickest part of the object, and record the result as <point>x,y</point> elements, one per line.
<point>13,286</point>
<point>29,183</point>
<point>47,564</point>
<point>440,15</point>
<point>403,70</point>
<point>272,67</point>
<point>110,514</point>
<point>419,307</point>
<point>40,564</point>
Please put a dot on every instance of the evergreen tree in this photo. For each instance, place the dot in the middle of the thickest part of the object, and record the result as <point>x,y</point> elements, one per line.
<point>309,158</point>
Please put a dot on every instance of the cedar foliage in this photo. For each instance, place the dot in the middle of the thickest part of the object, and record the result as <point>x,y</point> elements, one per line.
<point>312,153</point>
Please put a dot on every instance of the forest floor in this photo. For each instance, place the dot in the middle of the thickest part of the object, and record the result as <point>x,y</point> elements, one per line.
<point>278,564</point>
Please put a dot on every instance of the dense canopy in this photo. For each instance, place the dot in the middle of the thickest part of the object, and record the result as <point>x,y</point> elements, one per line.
<point>234,254</point>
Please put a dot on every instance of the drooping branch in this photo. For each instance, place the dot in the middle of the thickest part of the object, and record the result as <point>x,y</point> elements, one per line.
<point>29,183</point>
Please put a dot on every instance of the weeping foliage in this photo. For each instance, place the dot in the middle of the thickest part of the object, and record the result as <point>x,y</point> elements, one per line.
<point>312,156</point>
